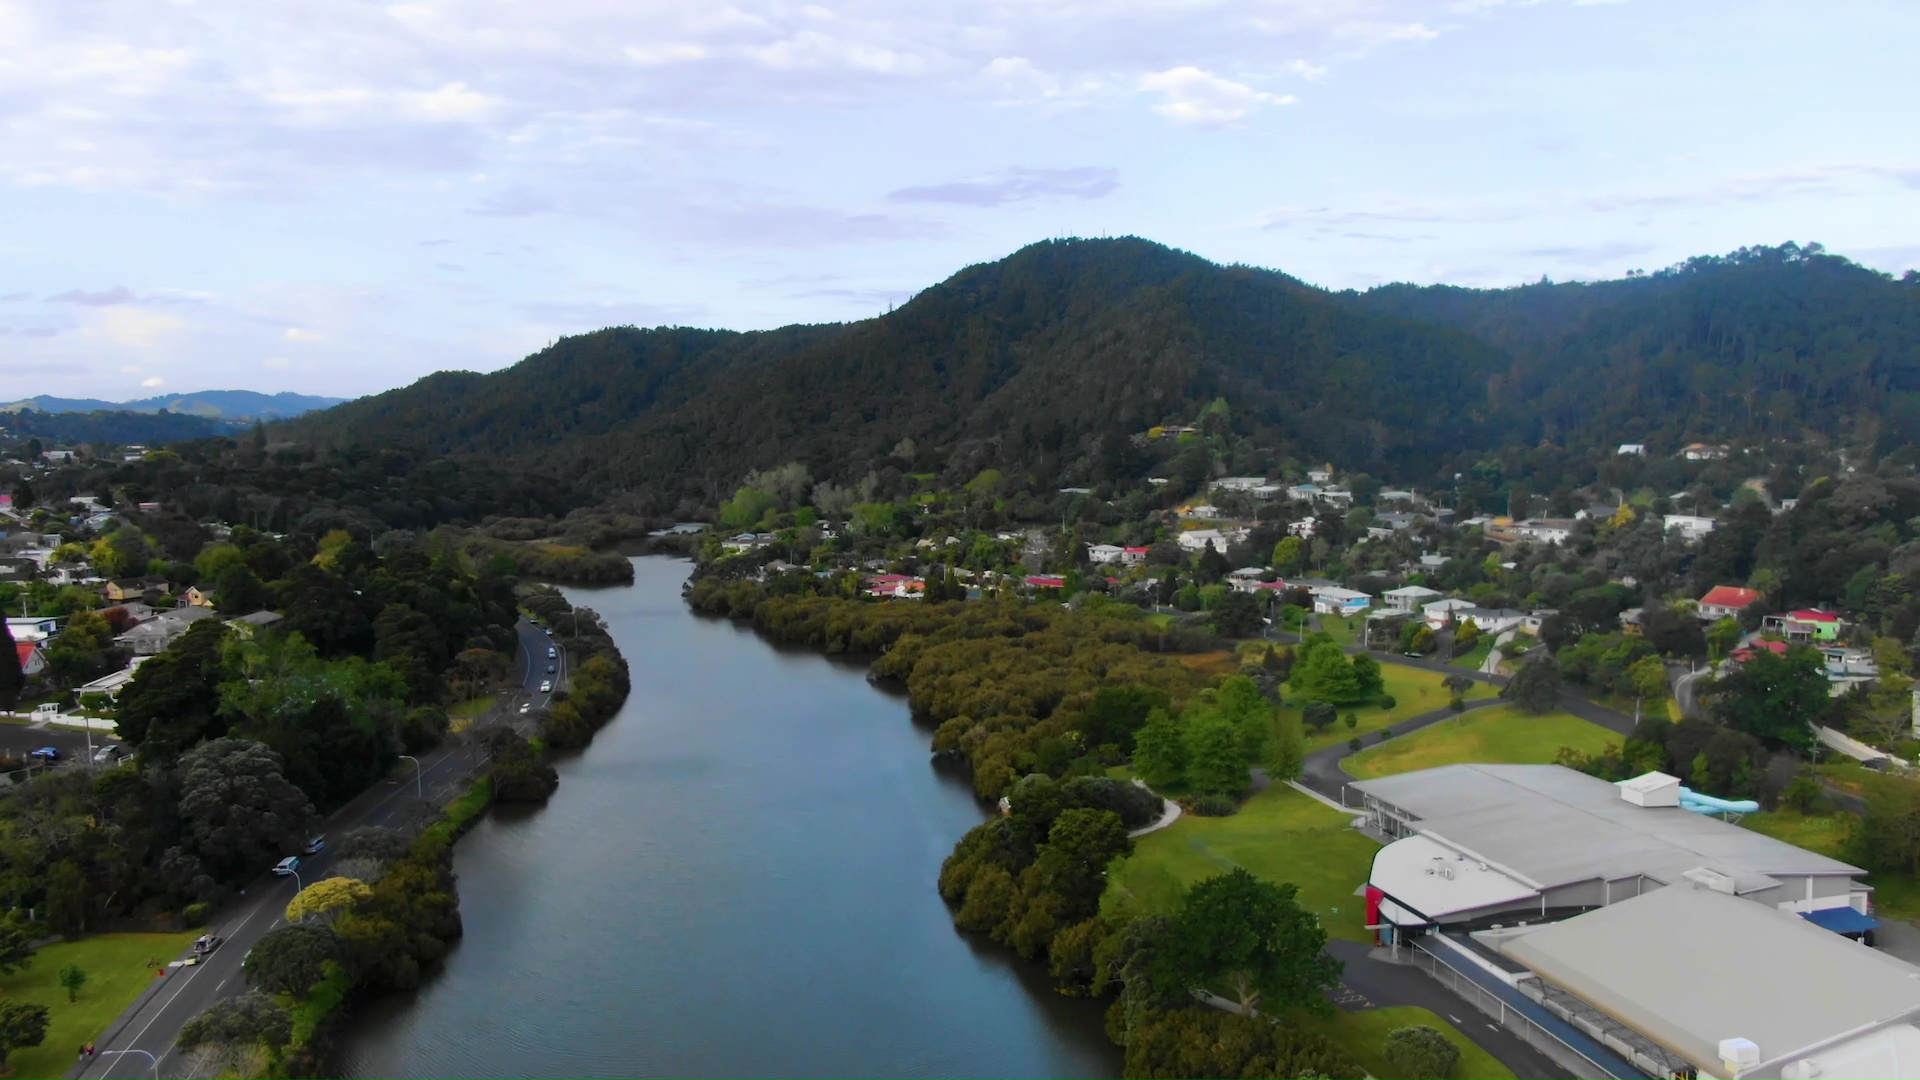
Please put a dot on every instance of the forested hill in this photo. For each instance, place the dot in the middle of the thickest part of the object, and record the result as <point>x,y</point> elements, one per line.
<point>215,404</point>
<point>1054,359</point>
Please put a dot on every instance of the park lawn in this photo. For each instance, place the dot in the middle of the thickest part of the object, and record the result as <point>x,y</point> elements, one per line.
<point>472,707</point>
<point>1414,690</point>
<point>1828,834</point>
<point>1849,776</point>
<point>1363,1035</point>
<point>1280,835</point>
<point>1474,657</point>
<point>1161,619</point>
<point>1345,631</point>
<point>116,967</point>
<point>1501,735</point>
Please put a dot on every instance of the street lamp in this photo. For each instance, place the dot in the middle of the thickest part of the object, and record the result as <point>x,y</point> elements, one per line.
<point>154,1061</point>
<point>418,790</point>
<point>298,886</point>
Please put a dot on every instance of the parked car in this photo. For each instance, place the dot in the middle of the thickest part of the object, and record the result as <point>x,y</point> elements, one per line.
<point>103,755</point>
<point>287,865</point>
<point>552,652</point>
<point>46,753</point>
<point>548,629</point>
<point>315,846</point>
<point>206,943</point>
<point>552,669</point>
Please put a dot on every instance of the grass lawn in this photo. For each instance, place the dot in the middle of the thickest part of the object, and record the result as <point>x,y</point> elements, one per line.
<point>1363,1035</point>
<point>1849,776</point>
<point>471,707</point>
<point>116,967</point>
<point>1161,619</point>
<point>1503,735</point>
<point>1474,657</point>
<point>1414,690</point>
<point>1344,631</point>
<point>1279,835</point>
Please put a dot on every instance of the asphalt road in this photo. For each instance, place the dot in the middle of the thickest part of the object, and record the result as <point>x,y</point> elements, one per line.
<point>152,1024</point>
<point>21,739</point>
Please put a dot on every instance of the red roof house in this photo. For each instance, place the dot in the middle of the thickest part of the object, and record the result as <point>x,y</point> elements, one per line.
<point>1039,582</point>
<point>1723,601</point>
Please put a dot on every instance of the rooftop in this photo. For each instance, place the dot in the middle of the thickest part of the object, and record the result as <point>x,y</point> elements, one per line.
<point>1547,825</point>
<point>1690,967</point>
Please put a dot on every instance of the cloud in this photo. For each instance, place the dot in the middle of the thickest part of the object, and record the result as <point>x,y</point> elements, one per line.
<point>1591,253</point>
<point>1202,99</point>
<point>1017,185</point>
<point>119,294</point>
<point>295,333</point>
<point>8,298</point>
<point>135,328</point>
<point>153,382</point>
<point>276,363</point>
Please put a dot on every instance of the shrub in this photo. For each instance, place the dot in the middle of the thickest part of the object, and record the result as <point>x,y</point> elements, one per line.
<point>1214,806</point>
<point>1353,744</point>
<point>1387,701</point>
<point>194,915</point>
<point>1421,1053</point>
<point>1385,734</point>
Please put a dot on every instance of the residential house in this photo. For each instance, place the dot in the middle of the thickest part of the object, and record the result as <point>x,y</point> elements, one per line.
<point>1046,581</point>
<point>1338,495</point>
<point>1544,530</point>
<point>1595,513</point>
<point>74,573</point>
<point>1100,554</point>
<point>1245,579</point>
<point>1847,668</point>
<point>57,456</point>
<point>1201,511</point>
<point>1076,491</point>
<point>1803,627</point>
<point>248,625</point>
<point>1630,623</point>
<point>1320,476</point>
<point>1302,528</point>
<point>1441,612</point>
<point>155,636</point>
<point>1393,496</point>
<point>1703,452</point>
<point>1334,600</point>
<point>1303,492</point>
<point>1537,618</point>
<point>86,502</point>
<point>138,588</point>
<point>16,568</point>
<point>1133,556</point>
<point>1690,527</point>
<point>1408,597</point>
<point>1631,449</point>
<point>110,685</point>
<point>33,659</point>
<point>1430,561</point>
<point>1748,652</point>
<point>196,598</point>
<point>1198,539</point>
<point>33,627</point>
<point>1490,620</point>
<point>1396,521</point>
<point>746,541</point>
<point>1239,483</point>
<point>1785,505</point>
<point>1726,602</point>
<point>892,586</point>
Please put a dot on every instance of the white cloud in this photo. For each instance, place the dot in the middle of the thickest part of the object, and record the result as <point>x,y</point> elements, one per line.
<point>276,363</point>
<point>135,328</point>
<point>295,333</point>
<point>1203,99</point>
<point>153,382</point>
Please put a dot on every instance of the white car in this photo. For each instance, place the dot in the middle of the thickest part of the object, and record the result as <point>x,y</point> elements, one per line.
<point>546,685</point>
<point>526,707</point>
<point>552,652</point>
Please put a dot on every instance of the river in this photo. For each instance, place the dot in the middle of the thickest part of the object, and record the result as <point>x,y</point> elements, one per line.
<point>735,879</point>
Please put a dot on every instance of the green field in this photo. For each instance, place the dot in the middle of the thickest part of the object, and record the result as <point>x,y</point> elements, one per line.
<point>1344,631</point>
<point>1414,690</point>
<point>1279,835</point>
<point>116,967</point>
<point>1363,1035</point>
<point>1502,734</point>
<point>1474,657</point>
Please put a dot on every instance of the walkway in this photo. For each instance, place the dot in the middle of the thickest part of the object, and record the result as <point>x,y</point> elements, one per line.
<point>1169,812</point>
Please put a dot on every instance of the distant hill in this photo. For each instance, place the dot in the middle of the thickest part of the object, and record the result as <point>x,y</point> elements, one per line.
<point>217,404</point>
<point>112,428</point>
<point>1053,360</point>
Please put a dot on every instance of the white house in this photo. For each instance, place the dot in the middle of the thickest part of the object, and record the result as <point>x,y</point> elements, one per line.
<point>33,628</point>
<point>1544,530</point>
<point>1202,511</point>
<point>1632,449</point>
<point>1408,597</point>
<point>1198,539</point>
<point>1239,483</point>
<point>1320,476</point>
<point>1490,620</point>
<point>1440,612</point>
<point>1333,600</point>
<point>1302,528</point>
<point>1105,553</point>
<point>1690,527</point>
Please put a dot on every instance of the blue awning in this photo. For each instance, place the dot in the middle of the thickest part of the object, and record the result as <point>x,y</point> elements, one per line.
<point>1841,920</point>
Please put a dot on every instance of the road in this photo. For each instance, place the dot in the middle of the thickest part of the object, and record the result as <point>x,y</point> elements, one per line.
<point>152,1024</point>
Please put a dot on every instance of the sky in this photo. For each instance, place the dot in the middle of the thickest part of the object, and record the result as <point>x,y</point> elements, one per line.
<point>338,197</point>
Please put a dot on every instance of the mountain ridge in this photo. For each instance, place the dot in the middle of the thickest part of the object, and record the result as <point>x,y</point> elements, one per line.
<point>239,405</point>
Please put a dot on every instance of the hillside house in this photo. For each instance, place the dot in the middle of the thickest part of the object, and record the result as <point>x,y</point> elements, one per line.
<point>33,659</point>
<point>1703,452</point>
<point>1441,612</point>
<point>1198,539</point>
<point>1726,602</point>
<point>33,627</point>
<point>1631,449</point>
<point>249,625</point>
<point>1133,556</point>
<point>1302,528</point>
<point>1334,600</point>
<point>158,634</point>
<point>1690,527</point>
<point>1201,512</point>
<point>1408,597</point>
<point>1804,627</point>
<point>1544,530</point>
<point>1101,554</point>
<point>136,588</point>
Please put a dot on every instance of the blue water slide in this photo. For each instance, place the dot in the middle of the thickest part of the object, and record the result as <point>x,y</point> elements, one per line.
<point>1707,804</point>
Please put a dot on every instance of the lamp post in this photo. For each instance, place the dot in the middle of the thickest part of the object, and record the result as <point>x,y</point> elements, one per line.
<point>154,1061</point>
<point>298,886</point>
<point>418,790</point>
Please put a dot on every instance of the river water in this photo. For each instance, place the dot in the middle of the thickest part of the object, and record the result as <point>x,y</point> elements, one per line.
<point>735,879</point>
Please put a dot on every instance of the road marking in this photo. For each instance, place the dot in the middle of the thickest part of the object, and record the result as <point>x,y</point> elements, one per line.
<point>1455,1019</point>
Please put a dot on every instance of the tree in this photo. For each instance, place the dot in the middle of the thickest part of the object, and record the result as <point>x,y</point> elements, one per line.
<point>1254,937</point>
<point>1216,761</point>
<point>1536,686</point>
<point>239,591</point>
<point>1288,754</point>
<point>326,900</point>
<point>291,959</point>
<point>1237,615</point>
<point>1779,699</point>
<point>1421,1053</point>
<point>1288,554</point>
<point>72,978</point>
<point>1322,671</point>
<point>12,679</point>
<point>235,1030</point>
<point>1160,750</point>
<point>1457,685</point>
<point>16,943</point>
<point>239,814</point>
<point>1648,675</point>
<point>1117,713</point>
<point>1319,715</point>
<point>67,898</point>
<point>22,1026</point>
<point>173,700</point>
<point>1890,827</point>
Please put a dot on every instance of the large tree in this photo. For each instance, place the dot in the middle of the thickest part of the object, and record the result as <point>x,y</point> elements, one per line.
<point>1252,936</point>
<point>291,959</point>
<point>1536,686</point>
<point>21,1026</point>
<point>173,700</point>
<point>1778,699</point>
<point>239,814</point>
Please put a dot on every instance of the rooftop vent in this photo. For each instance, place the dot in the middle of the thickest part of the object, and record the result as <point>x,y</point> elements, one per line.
<point>1738,1055</point>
